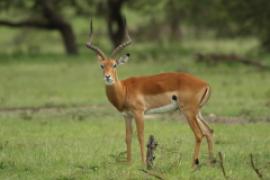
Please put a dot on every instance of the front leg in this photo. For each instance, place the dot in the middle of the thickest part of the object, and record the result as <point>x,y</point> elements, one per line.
<point>128,122</point>
<point>139,119</point>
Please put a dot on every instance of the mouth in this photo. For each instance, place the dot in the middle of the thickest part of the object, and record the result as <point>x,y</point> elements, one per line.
<point>108,81</point>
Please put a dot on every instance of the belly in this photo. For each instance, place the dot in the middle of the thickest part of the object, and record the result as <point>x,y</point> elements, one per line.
<point>163,109</point>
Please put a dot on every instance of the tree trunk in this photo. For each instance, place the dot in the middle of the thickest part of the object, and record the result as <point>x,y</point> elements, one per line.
<point>115,21</point>
<point>51,20</point>
<point>69,39</point>
<point>50,13</point>
<point>65,29</point>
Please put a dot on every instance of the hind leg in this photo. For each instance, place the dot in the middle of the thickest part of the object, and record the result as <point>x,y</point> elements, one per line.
<point>193,123</point>
<point>208,133</point>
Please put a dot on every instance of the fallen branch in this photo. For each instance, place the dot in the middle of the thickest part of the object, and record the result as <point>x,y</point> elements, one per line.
<point>230,58</point>
<point>154,174</point>
<point>221,164</point>
<point>254,167</point>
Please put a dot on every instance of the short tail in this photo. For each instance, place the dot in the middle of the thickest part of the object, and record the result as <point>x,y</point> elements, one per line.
<point>204,123</point>
<point>205,96</point>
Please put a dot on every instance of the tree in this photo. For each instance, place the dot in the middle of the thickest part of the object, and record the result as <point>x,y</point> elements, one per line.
<point>164,21</point>
<point>252,17</point>
<point>42,14</point>
<point>115,21</point>
<point>232,18</point>
<point>50,15</point>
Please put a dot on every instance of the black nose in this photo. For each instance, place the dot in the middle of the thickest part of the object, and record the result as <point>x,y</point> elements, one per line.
<point>107,76</point>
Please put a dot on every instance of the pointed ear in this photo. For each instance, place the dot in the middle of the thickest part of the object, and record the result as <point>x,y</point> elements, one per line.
<point>100,59</point>
<point>123,59</point>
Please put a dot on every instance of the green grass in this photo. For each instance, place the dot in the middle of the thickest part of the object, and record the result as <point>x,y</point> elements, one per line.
<point>65,148</point>
<point>81,139</point>
<point>59,80</point>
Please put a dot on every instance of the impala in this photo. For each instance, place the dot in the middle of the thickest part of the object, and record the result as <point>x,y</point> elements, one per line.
<point>136,96</point>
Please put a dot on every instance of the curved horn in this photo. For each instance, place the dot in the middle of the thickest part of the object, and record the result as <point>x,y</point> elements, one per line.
<point>124,44</point>
<point>91,46</point>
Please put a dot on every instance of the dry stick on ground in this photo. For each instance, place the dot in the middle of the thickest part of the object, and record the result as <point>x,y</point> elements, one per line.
<point>221,164</point>
<point>154,174</point>
<point>254,167</point>
<point>231,58</point>
<point>150,157</point>
<point>151,147</point>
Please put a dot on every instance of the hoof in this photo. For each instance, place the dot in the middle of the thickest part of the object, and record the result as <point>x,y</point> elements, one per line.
<point>196,162</point>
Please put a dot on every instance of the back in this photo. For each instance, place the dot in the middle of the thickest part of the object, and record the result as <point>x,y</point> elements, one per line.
<point>164,82</point>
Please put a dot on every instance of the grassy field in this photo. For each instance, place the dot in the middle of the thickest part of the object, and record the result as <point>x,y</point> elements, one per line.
<point>66,148</point>
<point>57,124</point>
<point>58,80</point>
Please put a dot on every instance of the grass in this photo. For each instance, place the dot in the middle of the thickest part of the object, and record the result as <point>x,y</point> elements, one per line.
<point>82,139</point>
<point>66,148</point>
<point>54,80</point>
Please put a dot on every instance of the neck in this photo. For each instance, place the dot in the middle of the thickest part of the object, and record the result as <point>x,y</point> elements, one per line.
<point>116,94</point>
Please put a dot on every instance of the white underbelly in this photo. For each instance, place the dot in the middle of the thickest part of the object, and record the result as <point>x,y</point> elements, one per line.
<point>162,109</point>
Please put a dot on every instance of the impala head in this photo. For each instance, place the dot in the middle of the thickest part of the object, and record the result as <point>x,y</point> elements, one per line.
<point>109,65</point>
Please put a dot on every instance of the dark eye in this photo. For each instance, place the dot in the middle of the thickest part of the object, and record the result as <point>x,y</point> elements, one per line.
<point>102,66</point>
<point>114,65</point>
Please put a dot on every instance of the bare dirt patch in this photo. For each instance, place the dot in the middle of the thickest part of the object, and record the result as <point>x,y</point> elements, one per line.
<point>79,109</point>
